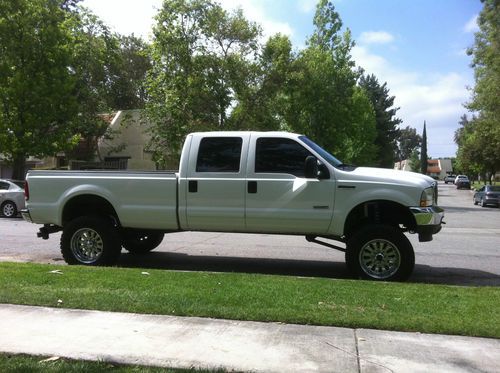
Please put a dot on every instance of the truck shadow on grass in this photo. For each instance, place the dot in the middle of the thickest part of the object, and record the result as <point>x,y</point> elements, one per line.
<point>303,268</point>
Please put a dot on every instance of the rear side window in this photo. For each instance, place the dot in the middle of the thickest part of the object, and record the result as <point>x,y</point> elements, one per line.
<point>278,155</point>
<point>219,154</point>
<point>4,186</point>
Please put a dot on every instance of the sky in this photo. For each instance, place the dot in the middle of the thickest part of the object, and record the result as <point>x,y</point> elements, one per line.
<point>417,47</point>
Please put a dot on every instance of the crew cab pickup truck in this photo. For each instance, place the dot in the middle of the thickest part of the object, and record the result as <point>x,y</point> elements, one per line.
<point>261,182</point>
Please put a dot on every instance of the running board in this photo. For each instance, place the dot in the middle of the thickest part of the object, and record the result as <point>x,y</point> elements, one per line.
<point>322,243</point>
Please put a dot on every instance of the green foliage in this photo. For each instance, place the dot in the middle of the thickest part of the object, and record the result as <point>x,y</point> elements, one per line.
<point>109,71</point>
<point>324,101</point>
<point>264,103</point>
<point>386,121</point>
<point>36,101</point>
<point>478,140</point>
<point>415,160</point>
<point>199,64</point>
<point>360,148</point>
<point>408,140</point>
<point>423,152</point>
<point>206,75</point>
<point>61,67</point>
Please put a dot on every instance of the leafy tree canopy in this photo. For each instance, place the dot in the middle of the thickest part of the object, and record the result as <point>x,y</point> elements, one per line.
<point>478,139</point>
<point>386,121</point>
<point>36,101</point>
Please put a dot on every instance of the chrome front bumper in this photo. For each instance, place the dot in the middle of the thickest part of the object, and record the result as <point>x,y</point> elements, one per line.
<point>428,220</point>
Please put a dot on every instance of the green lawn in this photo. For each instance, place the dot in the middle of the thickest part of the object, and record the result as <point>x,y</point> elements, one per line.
<point>456,310</point>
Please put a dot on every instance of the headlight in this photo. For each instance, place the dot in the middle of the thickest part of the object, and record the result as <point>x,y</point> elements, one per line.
<point>427,197</point>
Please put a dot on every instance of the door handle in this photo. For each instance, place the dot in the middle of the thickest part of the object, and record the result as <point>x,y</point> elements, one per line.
<point>193,186</point>
<point>252,187</point>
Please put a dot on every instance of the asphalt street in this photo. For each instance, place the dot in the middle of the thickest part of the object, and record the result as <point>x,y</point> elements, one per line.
<point>465,252</point>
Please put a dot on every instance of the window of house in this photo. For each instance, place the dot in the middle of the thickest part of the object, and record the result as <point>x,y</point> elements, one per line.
<point>278,155</point>
<point>219,154</point>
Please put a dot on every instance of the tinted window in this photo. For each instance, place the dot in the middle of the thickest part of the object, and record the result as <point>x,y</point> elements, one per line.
<point>276,155</point>
<point>4,186</point>
<point>219,154</point>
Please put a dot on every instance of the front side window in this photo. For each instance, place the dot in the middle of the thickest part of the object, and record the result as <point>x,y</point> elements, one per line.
<point>219,154</point>
<point>278,155</point>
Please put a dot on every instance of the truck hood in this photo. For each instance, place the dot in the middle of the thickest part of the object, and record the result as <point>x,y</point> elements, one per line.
<point>387,176</point>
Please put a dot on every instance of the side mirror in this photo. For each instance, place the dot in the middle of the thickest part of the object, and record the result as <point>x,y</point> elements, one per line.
<point>311,167</point>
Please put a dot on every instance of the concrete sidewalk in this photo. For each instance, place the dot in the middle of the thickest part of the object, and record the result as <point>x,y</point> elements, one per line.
<point>187,342</point>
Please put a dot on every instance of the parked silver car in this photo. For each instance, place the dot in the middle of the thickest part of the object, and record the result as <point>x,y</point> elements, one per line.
<point>11,198</point>
<point>487,195</point>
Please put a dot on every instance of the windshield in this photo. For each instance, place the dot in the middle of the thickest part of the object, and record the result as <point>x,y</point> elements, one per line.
<point>321,152</point>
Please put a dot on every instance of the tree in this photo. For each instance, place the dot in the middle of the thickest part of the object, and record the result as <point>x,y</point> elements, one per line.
<point>323,100</point>
<point>386,121</point>
<point>360,147</point>
<point>415,160</point>
<point>423,152</point>
<point>127,74</point>
<point>199,62</point>
<point>479,140</point>
<point>37,104</point>
<point>408,140</point>
<point>110,72</point>
<point>264,101</point>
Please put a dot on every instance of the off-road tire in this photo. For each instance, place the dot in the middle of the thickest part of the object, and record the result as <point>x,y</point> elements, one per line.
<point>141,242</point>
<point>90,240</point>
<point>380,252</point>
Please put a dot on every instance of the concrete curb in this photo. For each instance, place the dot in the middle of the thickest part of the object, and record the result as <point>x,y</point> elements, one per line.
<point>192,342</point>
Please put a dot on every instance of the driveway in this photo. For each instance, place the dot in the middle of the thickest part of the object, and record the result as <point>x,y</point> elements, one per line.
<point>465,252</point>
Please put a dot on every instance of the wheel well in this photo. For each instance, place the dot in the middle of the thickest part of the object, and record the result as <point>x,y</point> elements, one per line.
<point>88,204</point>
<point>379,212</point>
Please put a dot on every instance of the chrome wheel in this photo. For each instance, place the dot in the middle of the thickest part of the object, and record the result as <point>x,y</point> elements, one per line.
<point>379,259</point>
<point>87,245</point>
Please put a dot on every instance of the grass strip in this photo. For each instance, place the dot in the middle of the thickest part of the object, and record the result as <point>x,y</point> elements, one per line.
<point>26,363</point>
<point>470,311</point>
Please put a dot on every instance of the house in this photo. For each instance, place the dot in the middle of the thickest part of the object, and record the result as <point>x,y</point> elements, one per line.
<point>127,145</point>
<point>124,148</point>
<point>436,168</point>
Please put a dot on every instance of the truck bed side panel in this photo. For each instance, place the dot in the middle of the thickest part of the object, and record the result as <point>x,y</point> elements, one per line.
<point>140,199</point>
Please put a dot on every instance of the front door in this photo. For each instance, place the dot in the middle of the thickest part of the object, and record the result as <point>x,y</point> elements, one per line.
<point>279,199</point>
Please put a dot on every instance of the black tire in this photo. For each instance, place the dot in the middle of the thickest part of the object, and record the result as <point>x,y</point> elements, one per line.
<point>380,252</point>
<point>141,242</point>
<point>474,201</point>
<point>9,209</point>
<point>90,240</point>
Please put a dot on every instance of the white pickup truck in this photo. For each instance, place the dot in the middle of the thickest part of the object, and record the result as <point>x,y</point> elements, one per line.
<point>261,182</point>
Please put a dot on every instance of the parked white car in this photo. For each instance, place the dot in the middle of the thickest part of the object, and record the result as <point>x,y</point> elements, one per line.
<point>460,177</point>
<point>11,198</point>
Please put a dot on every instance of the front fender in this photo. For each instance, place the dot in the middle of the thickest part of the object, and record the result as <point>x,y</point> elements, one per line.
<point>349,195</point>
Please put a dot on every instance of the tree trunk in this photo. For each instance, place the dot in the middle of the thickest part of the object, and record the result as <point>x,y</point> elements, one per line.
<point>19,167</point>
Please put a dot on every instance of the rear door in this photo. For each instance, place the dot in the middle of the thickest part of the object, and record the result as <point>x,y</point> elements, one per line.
<point>215,196</point>
<point>279,198</point>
